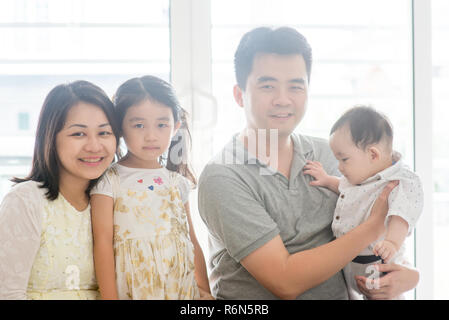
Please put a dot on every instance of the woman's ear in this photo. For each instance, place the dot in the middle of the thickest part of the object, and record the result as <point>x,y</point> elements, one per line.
<point>238,95</point>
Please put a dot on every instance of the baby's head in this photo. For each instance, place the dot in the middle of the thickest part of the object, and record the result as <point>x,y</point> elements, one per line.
<point>362,140</point>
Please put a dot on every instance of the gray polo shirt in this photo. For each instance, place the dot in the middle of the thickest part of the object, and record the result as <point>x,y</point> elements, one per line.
<point>244,208</point>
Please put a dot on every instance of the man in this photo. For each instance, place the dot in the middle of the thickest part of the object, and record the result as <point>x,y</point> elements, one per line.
<point>269,231</point>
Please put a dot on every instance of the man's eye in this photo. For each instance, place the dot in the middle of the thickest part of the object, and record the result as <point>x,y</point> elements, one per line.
<point>298,88</point>
<point>267,86</point>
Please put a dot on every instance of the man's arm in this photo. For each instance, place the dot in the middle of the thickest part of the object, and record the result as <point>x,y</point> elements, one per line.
<point>233,215</point>
<point>289,275</point>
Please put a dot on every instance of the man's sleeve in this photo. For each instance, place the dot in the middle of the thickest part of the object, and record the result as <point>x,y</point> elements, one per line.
<point>234,216</point>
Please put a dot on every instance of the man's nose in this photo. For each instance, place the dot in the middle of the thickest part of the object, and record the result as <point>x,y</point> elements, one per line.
<point>282,98</point>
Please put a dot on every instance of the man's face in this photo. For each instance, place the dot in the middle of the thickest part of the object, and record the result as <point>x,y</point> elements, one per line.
<point>276,93</point>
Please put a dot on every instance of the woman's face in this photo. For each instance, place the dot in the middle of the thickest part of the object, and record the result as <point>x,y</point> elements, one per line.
<point>86,144</point>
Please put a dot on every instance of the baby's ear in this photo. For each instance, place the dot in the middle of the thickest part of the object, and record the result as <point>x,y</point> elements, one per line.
<point>374,153</point>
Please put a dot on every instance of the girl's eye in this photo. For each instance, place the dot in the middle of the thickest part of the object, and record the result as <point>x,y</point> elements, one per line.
<point>344,159</point>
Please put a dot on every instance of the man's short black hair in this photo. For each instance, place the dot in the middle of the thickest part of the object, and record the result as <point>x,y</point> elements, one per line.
<point>367,126</point>
<point>283,40</point>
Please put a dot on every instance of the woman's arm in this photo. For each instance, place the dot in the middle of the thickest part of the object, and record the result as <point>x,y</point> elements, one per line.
<point>289,275</point>
<point>200,264</point>
<point>103,233</point>
<point>20,237</point>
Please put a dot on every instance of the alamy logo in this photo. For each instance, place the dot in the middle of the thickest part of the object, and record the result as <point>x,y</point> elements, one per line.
<point>372,282</point>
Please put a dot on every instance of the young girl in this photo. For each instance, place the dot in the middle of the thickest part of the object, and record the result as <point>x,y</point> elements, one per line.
<point>144,243</point>
<point>361,140</point>
<point>45,224</point>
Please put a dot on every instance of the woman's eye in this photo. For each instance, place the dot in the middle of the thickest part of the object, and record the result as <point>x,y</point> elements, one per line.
<point>162,125</point>
<point>105,133</point>
<point>77,134</point>
<point>138,126</point>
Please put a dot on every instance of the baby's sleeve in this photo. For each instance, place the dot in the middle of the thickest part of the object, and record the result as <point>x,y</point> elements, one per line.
<point>184,188</point>
<point>407,200</point>
<point>103,186</point>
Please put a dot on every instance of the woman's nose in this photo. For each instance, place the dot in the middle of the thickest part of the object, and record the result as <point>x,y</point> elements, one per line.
<point>93,144</point>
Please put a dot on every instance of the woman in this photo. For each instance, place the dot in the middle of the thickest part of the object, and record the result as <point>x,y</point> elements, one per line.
<point>45,224</point>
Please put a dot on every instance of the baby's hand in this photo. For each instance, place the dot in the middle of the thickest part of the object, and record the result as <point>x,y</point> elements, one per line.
<point>316,170</point>
<point>386,249</point>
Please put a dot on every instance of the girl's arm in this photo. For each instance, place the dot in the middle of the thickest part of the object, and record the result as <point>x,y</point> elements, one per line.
<point>102,226</point>
<point>200,264</point>
<point>322,179</point>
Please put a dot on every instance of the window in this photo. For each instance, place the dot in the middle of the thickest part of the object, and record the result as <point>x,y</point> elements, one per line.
<point>440,157</point>
<point>24,121</point>
<point>48,42</point>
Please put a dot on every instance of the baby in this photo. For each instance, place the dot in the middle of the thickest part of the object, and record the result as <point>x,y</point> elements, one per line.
<point>362,140</point>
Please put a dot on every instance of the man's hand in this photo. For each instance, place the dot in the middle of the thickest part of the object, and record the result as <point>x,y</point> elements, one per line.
<point>398,279</point>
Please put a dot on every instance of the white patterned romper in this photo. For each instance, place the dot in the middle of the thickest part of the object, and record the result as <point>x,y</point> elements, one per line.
<point>354,207</point>
<point>154,257</point>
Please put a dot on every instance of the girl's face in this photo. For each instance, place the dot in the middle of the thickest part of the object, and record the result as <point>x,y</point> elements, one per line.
<point>86,144</point>
<point>148,128</point>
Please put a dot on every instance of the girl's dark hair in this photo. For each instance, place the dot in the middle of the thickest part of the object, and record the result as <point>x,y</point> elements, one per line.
<point>136,90</point>
<point>45,164</point>
<point>367,126</point>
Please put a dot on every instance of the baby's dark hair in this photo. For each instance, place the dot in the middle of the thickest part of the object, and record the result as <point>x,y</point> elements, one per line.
<point>136,90</point>
<point>367,126</point>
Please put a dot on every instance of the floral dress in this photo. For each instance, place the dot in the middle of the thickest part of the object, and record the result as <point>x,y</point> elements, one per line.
<point>154,257</point>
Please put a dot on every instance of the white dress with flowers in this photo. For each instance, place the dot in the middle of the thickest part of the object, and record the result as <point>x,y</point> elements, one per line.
<point>154,257</point>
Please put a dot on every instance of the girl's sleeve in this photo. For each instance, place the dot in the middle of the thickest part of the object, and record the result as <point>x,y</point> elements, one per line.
<point>184,188</point>
<point>20,234</point>
<point>103,186</point>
